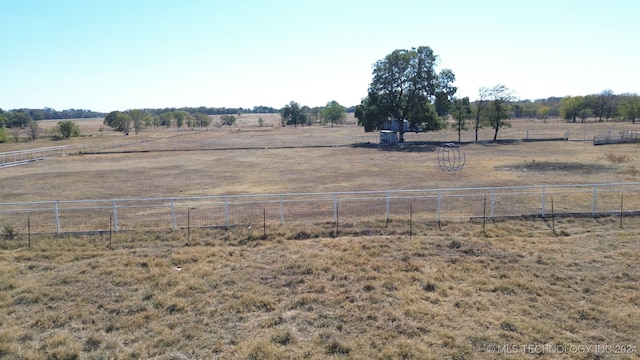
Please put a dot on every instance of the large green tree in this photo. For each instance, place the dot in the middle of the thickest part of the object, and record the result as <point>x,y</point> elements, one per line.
<point>19,119</point>
<point>629,107</point>
<point>571,106</point>
<point>201,120</point>
<point>4,119</point>
<point>118,121</point>
<point>334,113</point>
<point>139,119</point>
<point>406,86</point>
<point>605,105</point>
<point>67,129</point>
<point>292,114</point>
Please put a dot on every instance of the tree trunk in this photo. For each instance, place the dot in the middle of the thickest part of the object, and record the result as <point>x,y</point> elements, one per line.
<point>478,119</point>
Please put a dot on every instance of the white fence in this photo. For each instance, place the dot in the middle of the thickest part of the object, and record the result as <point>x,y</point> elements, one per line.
<point>24,156</point>
<point>356,208</point>
<point>622,137</point>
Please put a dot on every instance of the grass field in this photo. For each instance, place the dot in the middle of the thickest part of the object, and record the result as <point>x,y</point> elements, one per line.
<point>266,169</point>
<point>514,289</point>
<point>453,293</point>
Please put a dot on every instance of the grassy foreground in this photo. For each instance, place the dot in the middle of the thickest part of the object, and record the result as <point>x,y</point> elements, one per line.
<point>457,292</point>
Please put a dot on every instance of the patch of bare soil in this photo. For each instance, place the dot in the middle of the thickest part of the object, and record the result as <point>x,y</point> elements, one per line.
<point>558,166</point>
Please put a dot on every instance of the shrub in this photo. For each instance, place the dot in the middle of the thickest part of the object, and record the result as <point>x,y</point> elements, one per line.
<point>4,137</point>
<point>67,129</point>
<point>8,232</point>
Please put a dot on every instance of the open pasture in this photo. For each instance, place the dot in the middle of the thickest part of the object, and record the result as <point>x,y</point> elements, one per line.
<point>247,159</point>
<point>513,289</point>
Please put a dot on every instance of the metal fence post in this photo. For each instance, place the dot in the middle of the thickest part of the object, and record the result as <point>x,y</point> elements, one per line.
<point>544,194</point>
<point>493,202</point>
<point>335,208</point>
<point>593,202</point>
<point>57,216</point>
<point>439,204</point>
<point>387,206</point>
<point>226,211</point>
<point>281,211</point>
<point>173,214</point>
<point>115,216</point>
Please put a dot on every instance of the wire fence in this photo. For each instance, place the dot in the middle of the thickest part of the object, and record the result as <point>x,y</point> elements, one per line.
<point>24,156</point>
<point>330,209</point>
<point>621,137</point>
<point>183,140</point>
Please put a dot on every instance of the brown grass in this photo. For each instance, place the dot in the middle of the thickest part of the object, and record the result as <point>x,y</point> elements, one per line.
<point>303,169</point>
<point>453,293</point>
<point>303,292</point>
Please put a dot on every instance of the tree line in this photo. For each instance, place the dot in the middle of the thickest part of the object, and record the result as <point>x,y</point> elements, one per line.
<point>137,119</point>
<point>294,114</point>
<point>406,87</point>
<point>17,125</point>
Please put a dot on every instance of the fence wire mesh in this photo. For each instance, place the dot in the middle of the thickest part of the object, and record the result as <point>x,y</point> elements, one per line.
<point>460,204</point>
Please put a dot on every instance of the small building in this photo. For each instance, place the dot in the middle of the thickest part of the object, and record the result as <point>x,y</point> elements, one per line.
<point>388,137</point>
<point>394,125</point>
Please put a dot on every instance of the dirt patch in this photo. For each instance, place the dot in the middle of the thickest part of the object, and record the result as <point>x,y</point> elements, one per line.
<point>558,166</point>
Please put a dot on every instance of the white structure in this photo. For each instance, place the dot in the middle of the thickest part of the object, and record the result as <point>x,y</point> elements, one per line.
<point>388,137</point>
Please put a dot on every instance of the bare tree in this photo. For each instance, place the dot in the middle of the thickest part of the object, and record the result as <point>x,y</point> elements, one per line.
<point>483,93</point>
<point>15,131</point>
<point>33,129</point>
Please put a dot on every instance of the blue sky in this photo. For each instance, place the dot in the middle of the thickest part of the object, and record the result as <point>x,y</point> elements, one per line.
<point>109,55</point>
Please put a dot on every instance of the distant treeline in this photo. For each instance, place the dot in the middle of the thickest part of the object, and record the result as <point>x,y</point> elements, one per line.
<point>216,110</point>
<point>605,105</point>
<point>51,114</point>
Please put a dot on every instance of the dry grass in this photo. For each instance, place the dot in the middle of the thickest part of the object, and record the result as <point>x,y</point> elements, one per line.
<point>452,293</point>
<point>370,292</point>
<point>305,169</point>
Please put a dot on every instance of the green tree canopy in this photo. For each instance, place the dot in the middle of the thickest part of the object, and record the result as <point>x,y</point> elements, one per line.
<point>19,119</point>
<point>201,120</point>
<point>4,119</point>
<point>571,106</point>
<point>4,137</point>
<point>67,129</point>
<point>405,86</point>
<point>334,113</point>
<point>139,119</point>
<point>630,107</point>
<point>118,121</point>
<point>292,114</point>
<point>228,120</point>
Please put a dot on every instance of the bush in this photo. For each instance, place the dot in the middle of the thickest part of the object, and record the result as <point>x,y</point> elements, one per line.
<point>67,129</point>
<point>8,232</point>
<point>4,137</point>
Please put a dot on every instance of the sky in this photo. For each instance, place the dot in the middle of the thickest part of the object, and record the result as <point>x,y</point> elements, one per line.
<point>106,55</point>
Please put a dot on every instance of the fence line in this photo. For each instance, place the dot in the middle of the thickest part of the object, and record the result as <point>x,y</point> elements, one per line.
<point>427,205</point>
<point>24,156</point>
<point>142,143</point>
<point>625,136</point>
